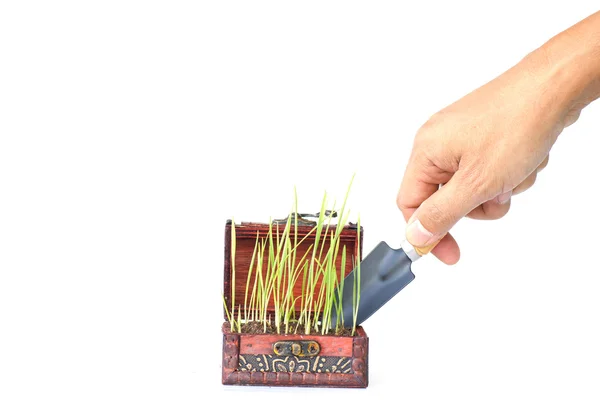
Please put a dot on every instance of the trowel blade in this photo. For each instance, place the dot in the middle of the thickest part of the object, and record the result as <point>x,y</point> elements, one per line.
<point>383,273</point>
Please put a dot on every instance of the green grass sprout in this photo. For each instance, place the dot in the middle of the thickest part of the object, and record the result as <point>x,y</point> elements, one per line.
<point>227,312</point>
<point>250,276</point>
<point>278,267</point>
<point>356,288</point>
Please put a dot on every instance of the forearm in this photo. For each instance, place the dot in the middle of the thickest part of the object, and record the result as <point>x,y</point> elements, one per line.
<point>571,63</point>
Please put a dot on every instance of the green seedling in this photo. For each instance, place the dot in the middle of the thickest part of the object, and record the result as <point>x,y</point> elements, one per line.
<point>276,269</point>
<point>356,287</point>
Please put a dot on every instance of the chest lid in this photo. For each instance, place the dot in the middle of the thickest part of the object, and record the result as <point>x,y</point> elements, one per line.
<point>263,261</point>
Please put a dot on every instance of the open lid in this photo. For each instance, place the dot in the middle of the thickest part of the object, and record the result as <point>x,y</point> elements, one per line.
<point>245,241</point>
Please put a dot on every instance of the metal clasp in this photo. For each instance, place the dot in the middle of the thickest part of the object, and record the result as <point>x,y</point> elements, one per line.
<point>297,348</point>
<point>302,218</point>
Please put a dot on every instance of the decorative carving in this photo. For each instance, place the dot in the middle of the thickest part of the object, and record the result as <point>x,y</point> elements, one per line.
<point>322,370</point>
<point>318,364</point>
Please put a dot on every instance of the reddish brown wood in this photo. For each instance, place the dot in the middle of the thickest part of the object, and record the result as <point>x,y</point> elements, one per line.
<point>358,379</point>
<point>246,234</point>
<point>310,380</point>
<point>341,346</point>
<point>231,346</point>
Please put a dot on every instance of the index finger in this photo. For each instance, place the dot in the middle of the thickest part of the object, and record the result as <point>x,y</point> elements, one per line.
<point>417,185</point>
<point>421,179</point>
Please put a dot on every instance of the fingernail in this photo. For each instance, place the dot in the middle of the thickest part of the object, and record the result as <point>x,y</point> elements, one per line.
<point>417,235</point>
<point>504,197</point>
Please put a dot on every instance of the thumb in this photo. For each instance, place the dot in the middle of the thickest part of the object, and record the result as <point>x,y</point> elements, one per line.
<point>438,213</point>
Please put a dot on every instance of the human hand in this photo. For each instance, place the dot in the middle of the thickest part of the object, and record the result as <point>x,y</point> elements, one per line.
<point>470,158</point>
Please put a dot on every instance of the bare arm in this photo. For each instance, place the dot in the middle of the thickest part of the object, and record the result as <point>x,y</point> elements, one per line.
<point>489,145</point>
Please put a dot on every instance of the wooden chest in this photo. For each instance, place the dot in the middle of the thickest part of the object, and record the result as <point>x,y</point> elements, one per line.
<point>291,355</point>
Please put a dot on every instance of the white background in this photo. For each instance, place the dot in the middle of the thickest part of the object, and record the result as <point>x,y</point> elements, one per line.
<point>130,131</point>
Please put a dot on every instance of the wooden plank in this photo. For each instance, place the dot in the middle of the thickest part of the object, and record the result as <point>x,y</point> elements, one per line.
<point>339,346</point>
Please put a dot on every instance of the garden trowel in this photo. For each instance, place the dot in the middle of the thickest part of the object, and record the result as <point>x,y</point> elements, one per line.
<point>383,273</point>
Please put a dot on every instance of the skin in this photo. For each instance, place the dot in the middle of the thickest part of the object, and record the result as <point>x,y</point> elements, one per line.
<point>470,158</point>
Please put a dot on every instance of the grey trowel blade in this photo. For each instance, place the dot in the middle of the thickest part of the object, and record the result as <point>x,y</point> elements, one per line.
<point>383,273</point>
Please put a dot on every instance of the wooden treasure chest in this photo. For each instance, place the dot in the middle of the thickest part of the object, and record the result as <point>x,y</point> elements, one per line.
<point>281,293</point>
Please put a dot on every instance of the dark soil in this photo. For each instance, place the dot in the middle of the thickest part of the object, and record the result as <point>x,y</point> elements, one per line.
<point>255,327</point>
